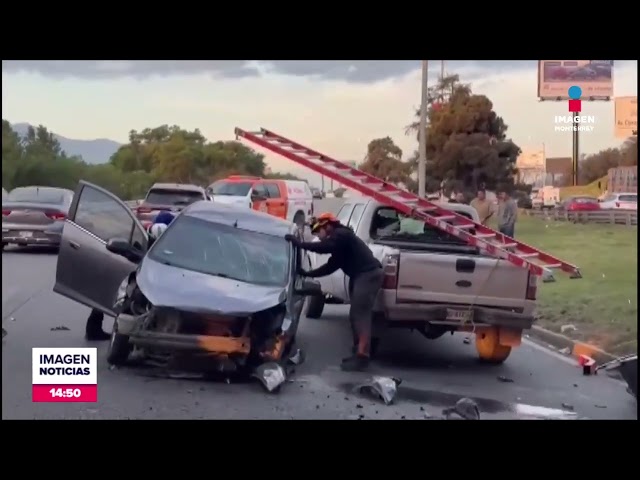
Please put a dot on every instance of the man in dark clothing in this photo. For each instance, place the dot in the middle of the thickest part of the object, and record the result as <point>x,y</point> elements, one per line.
<point>93,329</point>
<point>355,259</point>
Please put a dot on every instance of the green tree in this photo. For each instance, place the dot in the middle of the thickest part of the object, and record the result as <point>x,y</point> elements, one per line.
<point>384,160</point>
<point>12,154</point>
<point>467,145</point>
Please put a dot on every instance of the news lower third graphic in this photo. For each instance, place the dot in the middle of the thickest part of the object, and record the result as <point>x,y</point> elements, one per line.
<point>64,374</point>
<point>574,122</point>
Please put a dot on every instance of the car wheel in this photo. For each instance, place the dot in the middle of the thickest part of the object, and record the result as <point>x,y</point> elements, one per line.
<point>315,306</point>
<point>119,347</point>
<point>298,219</point>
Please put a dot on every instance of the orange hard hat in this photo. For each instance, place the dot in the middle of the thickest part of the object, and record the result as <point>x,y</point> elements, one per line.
<point>321,220</point>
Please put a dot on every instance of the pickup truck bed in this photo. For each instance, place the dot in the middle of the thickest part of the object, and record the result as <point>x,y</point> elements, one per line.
<point>433,282</point>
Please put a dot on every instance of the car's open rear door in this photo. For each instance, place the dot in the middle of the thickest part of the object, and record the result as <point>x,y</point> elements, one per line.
<point>87,272</point>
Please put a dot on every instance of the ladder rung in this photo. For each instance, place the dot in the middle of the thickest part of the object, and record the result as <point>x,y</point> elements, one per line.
<point>465,225</point>
<point>485,235</point>
<point>528,255</point>
<point>428,209</point>
<point>446,217</point>
<point>504,245</point>
<point>551,265</point>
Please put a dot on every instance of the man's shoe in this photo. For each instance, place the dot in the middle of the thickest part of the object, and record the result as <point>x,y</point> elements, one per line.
<point>355,363</point>
<point>97,336</point>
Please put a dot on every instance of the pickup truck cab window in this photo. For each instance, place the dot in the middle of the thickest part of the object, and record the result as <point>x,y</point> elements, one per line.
<point>389,224</point>
<point>345,213</point>
<point>356,216</point>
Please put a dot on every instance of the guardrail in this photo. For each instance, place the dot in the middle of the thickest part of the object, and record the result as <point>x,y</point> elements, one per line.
<point>616,217</point>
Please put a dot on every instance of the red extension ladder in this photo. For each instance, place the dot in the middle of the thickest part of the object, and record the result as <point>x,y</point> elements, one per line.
<point>487,240</point>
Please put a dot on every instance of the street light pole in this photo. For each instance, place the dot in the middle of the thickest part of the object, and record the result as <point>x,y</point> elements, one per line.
<point>422,134</point>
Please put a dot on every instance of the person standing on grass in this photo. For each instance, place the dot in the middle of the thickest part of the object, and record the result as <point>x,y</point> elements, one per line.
<point>483,206</point>
<point>507,214</point>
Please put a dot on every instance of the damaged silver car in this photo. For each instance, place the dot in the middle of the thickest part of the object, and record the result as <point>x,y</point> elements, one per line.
<point>220,283</point>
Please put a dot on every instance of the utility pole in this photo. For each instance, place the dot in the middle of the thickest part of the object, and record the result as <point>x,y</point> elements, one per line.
<point>576,152</point>
<point>422,134</point>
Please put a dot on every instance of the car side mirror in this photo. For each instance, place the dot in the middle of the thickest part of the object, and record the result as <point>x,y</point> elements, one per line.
<point>310,288</point>
<point>122,247</point>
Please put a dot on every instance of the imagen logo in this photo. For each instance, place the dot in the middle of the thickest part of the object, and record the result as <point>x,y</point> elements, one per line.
<point>574,122</point>
<point>64,374</point>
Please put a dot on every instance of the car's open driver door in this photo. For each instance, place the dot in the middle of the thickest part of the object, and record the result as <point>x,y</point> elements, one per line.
<point>87,272</point>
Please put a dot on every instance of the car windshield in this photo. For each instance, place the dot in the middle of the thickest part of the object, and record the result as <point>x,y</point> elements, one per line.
<point>36,195</point>
<point>221,250</point>
<point>389,224</point>
<point>236,189</point>
<point>161,196</point>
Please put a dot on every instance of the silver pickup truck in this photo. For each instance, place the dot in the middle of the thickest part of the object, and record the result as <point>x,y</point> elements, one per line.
<point>434,282</point>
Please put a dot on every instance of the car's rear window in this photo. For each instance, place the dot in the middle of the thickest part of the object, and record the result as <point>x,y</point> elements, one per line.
<point>236,189</point>
<point>36,195</point>
<point>221,250</point>
<point>161,196</point>
<point>629,198</point>
<point>389,224</point>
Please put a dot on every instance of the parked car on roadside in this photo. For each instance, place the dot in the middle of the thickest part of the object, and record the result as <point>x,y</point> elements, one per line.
<point>35,215</point>
<point>579,204</point>
<point>220,284</point>
<point>620,201</point>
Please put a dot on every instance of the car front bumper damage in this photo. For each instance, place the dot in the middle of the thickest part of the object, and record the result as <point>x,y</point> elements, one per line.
<point>227,344</point>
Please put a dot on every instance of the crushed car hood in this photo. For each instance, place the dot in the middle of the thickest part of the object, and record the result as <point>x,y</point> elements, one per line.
<point>167,286</point>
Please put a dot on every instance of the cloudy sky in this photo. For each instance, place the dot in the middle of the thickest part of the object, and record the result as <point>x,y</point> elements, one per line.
<point>335,106</point>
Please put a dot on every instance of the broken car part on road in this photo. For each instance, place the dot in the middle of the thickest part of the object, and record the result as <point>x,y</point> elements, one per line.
<point>384,388</point>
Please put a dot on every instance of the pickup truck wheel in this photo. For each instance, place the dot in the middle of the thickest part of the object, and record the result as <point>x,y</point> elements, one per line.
<point>489,348</point>
<point>315,306</point>
<point>119,347</point>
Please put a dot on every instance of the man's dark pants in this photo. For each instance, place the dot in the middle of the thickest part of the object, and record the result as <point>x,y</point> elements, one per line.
<point>508,230</point>
<point>363,291</point>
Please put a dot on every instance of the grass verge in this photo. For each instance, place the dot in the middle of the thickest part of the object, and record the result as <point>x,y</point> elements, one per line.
<point>603,305</point>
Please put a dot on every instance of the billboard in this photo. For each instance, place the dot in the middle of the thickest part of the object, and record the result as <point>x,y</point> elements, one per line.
<point>531,159</point>
<point>626,117</point>
<point>594,77</point>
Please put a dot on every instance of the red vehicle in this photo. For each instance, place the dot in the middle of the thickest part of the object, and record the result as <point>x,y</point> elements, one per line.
<point>580,204</point>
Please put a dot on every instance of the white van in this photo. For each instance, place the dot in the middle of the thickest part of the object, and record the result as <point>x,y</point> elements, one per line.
<point>288,199</point>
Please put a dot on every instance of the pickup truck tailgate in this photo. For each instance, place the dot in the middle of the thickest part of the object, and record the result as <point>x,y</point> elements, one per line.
<point>426,277</point>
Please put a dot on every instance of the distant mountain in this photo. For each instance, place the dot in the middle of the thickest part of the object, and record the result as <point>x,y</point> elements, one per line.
<point>92,151</point>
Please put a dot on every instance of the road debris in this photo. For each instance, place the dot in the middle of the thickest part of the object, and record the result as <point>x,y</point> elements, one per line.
<point>297,358</point>
<point>467,340</point>
<point>568,328</point>
<point>504,379</point>
<point>384,388</point>
<point>271,375</point>
<point>588,365</point>
<point>567,406</point>
<point>565,351</point>
<point>61,328</point>
<point>464,408</point>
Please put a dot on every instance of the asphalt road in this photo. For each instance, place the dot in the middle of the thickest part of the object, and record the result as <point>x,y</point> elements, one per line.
<point>435,373</point>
